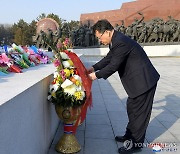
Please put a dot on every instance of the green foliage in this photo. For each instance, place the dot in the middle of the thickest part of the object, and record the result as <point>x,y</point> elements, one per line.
<point>73,25</point>
<point>56,18</point>
<point>6,34</point>
<point>41,16</point>
<point>23,32</point>
<point>32,27</point>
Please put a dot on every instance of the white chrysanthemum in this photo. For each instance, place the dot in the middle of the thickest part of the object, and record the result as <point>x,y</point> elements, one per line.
<point>64,55</point>
<point>83,95</point>
<point>51,87</point>
<point>66,83</point>
<point>56,74</point>
<point>66,64</point>
<point>54,87</point>
<point>49,97</point>
<point>79,88</point>
<point>70,89</point>
<point>77,77</point>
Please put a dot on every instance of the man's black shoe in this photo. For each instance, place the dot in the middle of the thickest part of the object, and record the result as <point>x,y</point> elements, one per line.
<point>121,138</point>
<point>124,150</point>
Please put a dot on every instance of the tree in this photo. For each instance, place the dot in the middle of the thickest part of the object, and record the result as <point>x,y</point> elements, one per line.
<point>41,16</point>
<point>22,33</point>
<point>2,34</point>
<point>18,36</point>
<point>6,34</point>
<point>56,18</point>
<point>73,25</point>
<point>32,31</point>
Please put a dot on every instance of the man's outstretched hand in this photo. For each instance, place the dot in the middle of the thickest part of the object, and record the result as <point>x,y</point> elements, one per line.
<point>92,76</point>
<point>90,70</point>
<point>91,73</point>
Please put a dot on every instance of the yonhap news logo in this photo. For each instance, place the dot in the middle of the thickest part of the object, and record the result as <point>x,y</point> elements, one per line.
<point>159,147</point>
<point>163,147</point>
<point>128,144</point>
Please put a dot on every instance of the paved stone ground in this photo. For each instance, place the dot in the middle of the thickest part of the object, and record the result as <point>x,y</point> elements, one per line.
<point>108,116</point>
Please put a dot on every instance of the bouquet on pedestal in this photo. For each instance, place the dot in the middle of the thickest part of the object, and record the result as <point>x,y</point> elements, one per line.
<point>71,86</point>
<point>70,91</point>
<point>66,89</point>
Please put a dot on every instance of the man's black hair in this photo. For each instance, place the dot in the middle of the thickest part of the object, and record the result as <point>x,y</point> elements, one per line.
<point>101,26</point>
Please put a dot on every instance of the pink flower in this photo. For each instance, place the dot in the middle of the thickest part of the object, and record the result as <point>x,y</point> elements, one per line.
<point>57,63</point>
<point>4,58</point>
<point>44,60</point>
<point>59,45</point>
<point>62,73</point>
<point>66,42</point>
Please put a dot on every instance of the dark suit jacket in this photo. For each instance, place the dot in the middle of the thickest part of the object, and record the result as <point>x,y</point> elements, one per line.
<point>136,71</point>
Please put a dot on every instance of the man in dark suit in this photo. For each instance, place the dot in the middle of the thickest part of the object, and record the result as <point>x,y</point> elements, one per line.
<point>138,76</point>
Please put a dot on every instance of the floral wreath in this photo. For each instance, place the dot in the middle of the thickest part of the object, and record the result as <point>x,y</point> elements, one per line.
<point>66,89</point>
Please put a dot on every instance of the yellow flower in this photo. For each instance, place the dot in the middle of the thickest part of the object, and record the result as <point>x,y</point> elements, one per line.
<point>78,83</point>
<point>59,80</point>
<point>70,62</point>
<point>78,95</point>
<point>67,72</point>
<point>53,94</point>
<point>71,71</point>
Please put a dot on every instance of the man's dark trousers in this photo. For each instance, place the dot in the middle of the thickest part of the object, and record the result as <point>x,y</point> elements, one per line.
<point>139,112</point>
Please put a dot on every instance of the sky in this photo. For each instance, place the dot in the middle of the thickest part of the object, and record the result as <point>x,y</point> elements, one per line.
<point>13,10</point>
